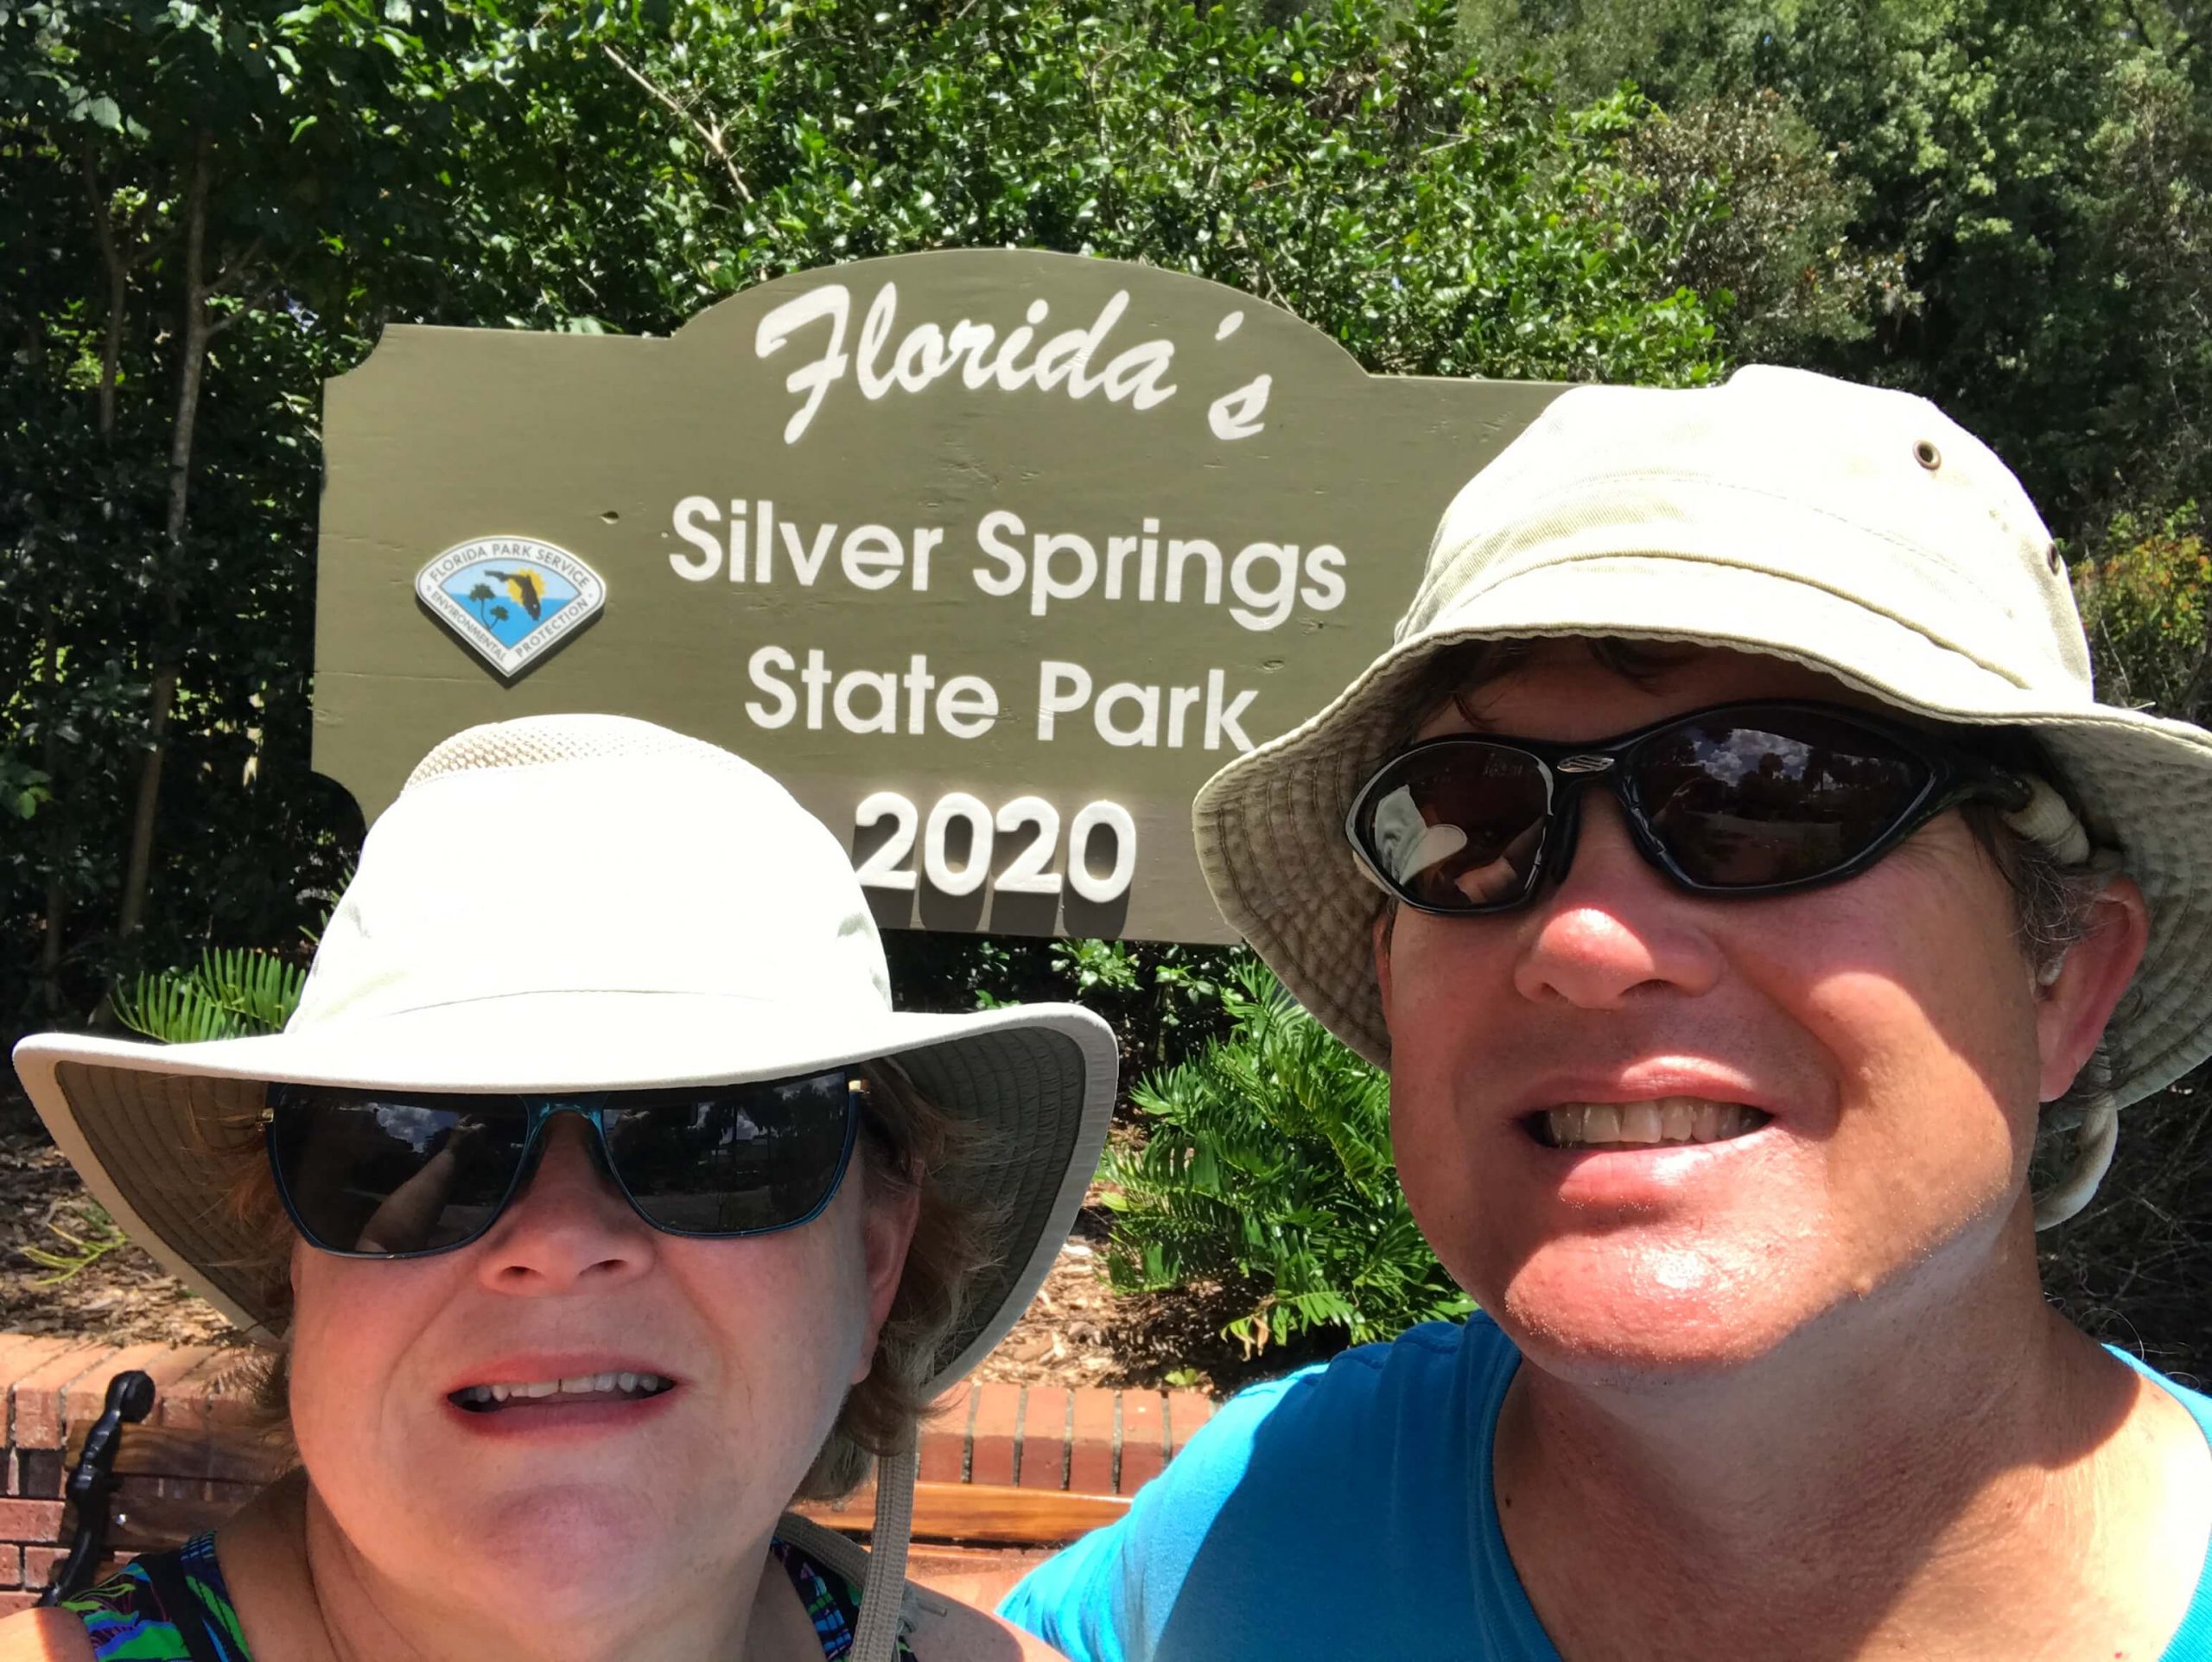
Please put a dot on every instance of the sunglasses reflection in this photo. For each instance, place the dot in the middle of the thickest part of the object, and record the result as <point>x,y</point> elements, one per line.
<point>1420,850</point>
<point>410,1213</point>
<point>1505,876</point>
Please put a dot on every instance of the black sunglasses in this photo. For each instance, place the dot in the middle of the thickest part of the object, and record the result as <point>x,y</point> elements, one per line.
<point>1741,799</point>
<point>378,1174</point>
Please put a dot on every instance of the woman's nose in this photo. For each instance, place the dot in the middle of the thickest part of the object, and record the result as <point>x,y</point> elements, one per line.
<point>570,1229</point>
<point>1613,927</point>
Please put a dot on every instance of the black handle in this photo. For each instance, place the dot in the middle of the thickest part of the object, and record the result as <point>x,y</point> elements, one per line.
<point>130,1399</point>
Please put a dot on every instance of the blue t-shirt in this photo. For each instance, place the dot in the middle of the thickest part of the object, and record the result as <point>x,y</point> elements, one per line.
<point>1384,1454</point>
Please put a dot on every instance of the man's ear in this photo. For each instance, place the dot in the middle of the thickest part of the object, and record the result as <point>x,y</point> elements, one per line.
<point>1383,919</point>
<point>2074,1006</point>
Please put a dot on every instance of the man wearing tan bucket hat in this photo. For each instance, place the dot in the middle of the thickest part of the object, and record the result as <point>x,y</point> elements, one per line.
<point>1734,870</point>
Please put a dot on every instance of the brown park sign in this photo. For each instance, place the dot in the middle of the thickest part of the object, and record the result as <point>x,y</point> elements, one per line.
<point>991,557</point>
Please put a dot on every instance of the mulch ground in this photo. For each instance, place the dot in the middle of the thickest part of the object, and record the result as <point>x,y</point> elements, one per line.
<point>121,1296</point>
<point>1077,1331</point>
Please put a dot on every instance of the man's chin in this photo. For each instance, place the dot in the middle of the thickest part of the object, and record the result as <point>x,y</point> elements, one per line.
<point>1682,1319</point>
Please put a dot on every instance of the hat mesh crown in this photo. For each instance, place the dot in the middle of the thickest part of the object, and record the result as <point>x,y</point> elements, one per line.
<point>539,740</point>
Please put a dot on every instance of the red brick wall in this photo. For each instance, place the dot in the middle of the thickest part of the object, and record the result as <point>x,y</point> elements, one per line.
<point>52,1389</point>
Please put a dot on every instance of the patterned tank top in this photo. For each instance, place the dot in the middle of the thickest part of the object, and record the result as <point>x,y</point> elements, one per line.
<point>176,1607</point>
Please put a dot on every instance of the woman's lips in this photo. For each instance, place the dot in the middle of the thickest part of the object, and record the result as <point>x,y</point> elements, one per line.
<point>548,1387</point>
<point>612,1386</point>
<point>604,1400</point>
<point>563,1414</point>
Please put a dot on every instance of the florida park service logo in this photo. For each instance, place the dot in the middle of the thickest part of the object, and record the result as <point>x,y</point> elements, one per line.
<point>511,599</point>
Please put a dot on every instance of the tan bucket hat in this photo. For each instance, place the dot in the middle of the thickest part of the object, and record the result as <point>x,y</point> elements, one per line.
<point>1855,530</point>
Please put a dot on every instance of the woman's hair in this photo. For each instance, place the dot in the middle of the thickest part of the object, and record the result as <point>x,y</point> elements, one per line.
<point>905,1139</point>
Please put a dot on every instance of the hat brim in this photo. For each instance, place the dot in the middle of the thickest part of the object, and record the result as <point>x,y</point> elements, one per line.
<point>1269,826</point>
<point>1031,1086</point>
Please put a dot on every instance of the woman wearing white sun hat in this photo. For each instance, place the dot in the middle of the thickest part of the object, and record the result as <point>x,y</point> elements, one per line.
<point>593,1226</point>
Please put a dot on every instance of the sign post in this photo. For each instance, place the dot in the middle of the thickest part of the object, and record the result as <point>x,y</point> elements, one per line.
<point>991,557</point>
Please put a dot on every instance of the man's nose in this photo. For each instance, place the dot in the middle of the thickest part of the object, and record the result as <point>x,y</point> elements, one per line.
<point>1614,926</point>
<point>570,1229</point>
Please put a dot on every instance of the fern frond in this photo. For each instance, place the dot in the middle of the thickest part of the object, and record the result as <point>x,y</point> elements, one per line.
<point>227,995</point>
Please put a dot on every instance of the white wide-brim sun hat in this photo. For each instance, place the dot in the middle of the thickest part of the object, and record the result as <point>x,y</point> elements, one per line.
<point>571,903</point>
<point>1857,531</point>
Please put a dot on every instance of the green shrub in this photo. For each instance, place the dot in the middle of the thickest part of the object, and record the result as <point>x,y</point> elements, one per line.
<point>2142,593</point>
<point>1265,1165</point>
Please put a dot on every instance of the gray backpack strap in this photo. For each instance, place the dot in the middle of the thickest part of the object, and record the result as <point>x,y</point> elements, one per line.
<point>875,1635</point>
<point>833,1551</point>
<point>840,1555</point>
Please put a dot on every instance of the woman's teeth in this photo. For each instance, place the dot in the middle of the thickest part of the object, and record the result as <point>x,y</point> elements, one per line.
<point>1657,1124</point>
<point>634,1385</point>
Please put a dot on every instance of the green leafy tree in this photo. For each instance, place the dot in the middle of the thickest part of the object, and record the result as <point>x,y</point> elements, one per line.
<point>209,210</point>
<point>2142,438</point>
<point>2037,169</point>
<point>195,203</point>
<point>1348,166</point>
<point>1767,217</point>
<point>1265,1165</point>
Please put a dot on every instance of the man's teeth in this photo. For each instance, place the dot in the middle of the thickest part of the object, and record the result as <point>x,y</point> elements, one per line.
<point>630,1384</point>
<point>1654,1124</point>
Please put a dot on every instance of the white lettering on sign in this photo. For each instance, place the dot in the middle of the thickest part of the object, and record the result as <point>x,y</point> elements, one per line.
<point>1263,578</point>
<point>1236,415</point>
<point>867,701</point>
<point>937,863</point>
<point>1111,816</point>
<point>1260,583</point>
<point>870,556</point>
<point>810,692</point>
<point>1130,712</point>
<point>1073,361</point>
<point>880,869</point>
<point>1027,873</point>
